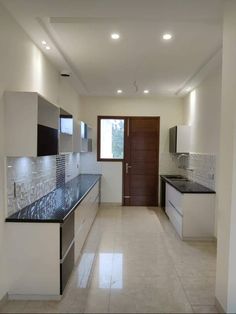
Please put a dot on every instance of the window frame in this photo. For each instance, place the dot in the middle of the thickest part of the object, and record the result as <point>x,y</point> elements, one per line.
<point>99,118</point>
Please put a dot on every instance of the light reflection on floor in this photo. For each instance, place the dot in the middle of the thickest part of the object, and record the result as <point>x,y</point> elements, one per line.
<point>85,269</point>
<point>110,266</point>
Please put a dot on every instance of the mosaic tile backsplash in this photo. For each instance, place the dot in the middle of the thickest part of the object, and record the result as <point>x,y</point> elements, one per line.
<point>201,168</point>
<point>29,179</point>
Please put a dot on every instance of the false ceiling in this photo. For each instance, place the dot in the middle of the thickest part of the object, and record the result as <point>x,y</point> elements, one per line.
<point>78,32</point>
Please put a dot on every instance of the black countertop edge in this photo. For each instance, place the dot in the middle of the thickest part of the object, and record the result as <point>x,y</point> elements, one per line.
<point>81,199</point>
<point>15,220</point>
<point>204,191</point>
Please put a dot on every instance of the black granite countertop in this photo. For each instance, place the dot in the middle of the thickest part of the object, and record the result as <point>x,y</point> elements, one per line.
<point>183,185</point>
<point>58,204</point>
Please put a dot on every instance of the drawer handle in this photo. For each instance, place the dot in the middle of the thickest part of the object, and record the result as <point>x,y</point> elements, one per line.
<point>175,208</point>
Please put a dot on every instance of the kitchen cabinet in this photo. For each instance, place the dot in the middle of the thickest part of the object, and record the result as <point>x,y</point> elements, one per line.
<point>31,125</point>
<point>192,215</point>
<point>86,138</point>
<point>42,255</point>
<point>85,214</point>
<point>66,132</point>
<point>179,139</point>
<point>76,136</point>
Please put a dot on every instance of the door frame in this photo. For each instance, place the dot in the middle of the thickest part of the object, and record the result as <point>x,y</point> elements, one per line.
<point>126,125</point>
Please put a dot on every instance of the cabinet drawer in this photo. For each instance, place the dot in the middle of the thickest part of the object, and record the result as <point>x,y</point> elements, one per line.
<point>66,234</point>
<point>175,197</point>
<point>176,219</point>
<point>66,268</point>
<point>94,192</point>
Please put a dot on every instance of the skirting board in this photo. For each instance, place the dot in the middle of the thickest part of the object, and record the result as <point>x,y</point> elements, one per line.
<point>211,239</point>
<point>110,204</point>
<point>219,306</point>
<point>34,297</point>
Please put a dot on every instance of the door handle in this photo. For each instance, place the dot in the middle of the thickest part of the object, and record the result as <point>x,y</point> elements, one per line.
<point>127,168</point>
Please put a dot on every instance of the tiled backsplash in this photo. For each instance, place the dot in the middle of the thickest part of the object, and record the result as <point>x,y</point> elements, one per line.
<point>202,168</point>
<point>168,164</point>
<point>72,163</point>
<point>28,179</point>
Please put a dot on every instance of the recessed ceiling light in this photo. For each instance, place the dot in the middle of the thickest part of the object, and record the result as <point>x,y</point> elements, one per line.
<point>115,36</point>
<point>146,91</point>
<point>119,91</point>
<point>44,42</point>
<point>48,48</point>
<point>167,36</point>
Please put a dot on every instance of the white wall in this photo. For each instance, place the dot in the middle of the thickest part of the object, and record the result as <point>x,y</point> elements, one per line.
<point>23,67</point>
<point>226,249</point>
<point>170,111</point>
<point>202,112</point>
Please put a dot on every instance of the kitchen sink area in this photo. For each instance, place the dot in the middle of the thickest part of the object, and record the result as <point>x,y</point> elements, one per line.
<point>183,184</point>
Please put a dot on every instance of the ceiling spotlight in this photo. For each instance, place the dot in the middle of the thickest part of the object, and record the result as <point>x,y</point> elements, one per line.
<point>146,91</point>
<point>48,48</point>
<point>44,42</point>
<point>167,36</point>
<point>119,91</point>
<point>115,36</point>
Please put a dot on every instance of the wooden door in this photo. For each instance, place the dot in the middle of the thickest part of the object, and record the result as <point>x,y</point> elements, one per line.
<point>141,162</point>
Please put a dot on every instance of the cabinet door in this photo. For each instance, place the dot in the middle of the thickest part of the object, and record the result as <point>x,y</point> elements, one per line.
<point>176,219</point>
<point>183,139</point>
<point>47,141</point>
<point>174,210</point>
<point>85,214</point>
<point>172,139</point>
<point>66,268</point>
<point>67,234</point>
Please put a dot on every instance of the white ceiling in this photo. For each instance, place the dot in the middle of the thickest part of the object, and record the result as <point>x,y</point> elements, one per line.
<point>78,32</point>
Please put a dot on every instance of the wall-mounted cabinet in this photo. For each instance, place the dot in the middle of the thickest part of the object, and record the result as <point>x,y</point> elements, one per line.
<point>179,139</point>
<point>31,125</point>
<point>66,132</point>
<point>76,136</point>
<point>86,138</point>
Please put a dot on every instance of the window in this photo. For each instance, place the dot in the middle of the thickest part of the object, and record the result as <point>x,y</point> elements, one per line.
<point>111,138</point>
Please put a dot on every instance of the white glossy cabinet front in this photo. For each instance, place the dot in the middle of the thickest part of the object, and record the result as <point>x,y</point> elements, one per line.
<point>192,215</point>
<point>85,214</point>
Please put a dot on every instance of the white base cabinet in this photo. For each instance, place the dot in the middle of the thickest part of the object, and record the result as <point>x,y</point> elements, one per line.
<point>41,256</point>
<point>85,214</point>
<point>192,215</point>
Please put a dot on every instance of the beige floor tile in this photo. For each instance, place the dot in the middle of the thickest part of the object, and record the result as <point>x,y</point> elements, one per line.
<point>97,301</point>
<point>199,290</point>
<point>13,307</point>
<point>161,297</point>
<point>42,307</point>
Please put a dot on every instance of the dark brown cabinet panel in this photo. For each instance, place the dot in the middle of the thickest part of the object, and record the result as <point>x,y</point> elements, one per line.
<point>66,267</point>
<point>47,141</point>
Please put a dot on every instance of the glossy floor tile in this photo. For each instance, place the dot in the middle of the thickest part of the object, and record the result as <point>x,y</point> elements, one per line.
<point>134,262</point>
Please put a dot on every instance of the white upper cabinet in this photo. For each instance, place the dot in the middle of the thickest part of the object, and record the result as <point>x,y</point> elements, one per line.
<point>179,139</point>
<point>35,127</point>
<point>66,132</point>
<point>31,125</point>
<point>86,138</point>
<point>76,136</point>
